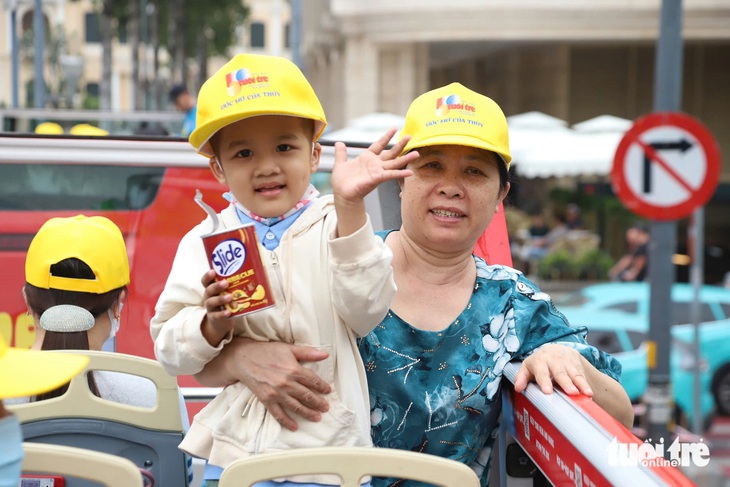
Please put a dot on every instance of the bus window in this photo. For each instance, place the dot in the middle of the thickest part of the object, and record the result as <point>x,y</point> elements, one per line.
<point>77,186</point>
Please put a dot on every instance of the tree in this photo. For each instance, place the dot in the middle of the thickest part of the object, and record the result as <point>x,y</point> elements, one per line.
<point>217,32</point>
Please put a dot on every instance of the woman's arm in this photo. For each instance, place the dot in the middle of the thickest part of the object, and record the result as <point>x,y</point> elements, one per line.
<point>575,375</point>
<point>273,372</point>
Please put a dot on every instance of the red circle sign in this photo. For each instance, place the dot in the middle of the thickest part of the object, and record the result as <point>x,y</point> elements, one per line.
<point>666,166</point>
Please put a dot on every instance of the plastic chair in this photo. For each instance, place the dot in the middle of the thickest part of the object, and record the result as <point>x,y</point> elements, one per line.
<point>351,464</point>
<point>148,437</point>
<point>105,469</point>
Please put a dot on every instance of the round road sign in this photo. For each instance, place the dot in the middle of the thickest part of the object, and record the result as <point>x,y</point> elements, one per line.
<point>666,166</point>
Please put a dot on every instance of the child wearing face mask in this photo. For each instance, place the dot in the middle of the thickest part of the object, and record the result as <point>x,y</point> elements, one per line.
<point>77,274</point>
<point>20,376</point>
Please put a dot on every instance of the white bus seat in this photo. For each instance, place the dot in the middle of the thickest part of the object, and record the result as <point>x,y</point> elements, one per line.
<point>351,464</point>
<point>149,437</point>
<point>101,468</point>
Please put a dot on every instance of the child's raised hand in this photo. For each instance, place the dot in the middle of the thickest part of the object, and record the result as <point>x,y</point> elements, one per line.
<point>216,324</point>
<point>353,180</point>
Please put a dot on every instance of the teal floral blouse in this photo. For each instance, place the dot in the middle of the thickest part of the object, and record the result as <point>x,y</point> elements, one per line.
<point>438,392</point>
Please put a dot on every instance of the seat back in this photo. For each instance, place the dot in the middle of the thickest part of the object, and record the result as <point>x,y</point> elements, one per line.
<point>147,436</point>
<point>351,464</point>
<point>102,468</point>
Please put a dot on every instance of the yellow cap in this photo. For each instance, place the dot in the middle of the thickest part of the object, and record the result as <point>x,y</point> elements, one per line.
<point>250,85</point>
<point>87,129</point>
<point>456,115</point>
<point>95,240</point>
<point>31,372</point>
<point>49,128</point>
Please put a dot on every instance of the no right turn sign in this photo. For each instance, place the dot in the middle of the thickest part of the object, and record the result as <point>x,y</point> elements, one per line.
<point>666,166</point>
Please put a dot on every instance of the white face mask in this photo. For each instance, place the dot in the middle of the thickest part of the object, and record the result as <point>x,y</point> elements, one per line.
<point>114,321</point>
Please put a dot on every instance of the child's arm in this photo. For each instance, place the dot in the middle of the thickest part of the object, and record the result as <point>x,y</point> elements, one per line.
<point>176,328</point>
<point>353,180</point>
<point>362,279</point>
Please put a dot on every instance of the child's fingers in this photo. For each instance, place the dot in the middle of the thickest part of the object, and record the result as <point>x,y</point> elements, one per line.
<point>380,144</point>
<point>340,152</point>
<point>208,278</point>
<point>396,150</point>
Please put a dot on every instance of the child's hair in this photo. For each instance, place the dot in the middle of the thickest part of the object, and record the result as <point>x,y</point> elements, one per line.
<point>251,85</point>
<point>214,142</point>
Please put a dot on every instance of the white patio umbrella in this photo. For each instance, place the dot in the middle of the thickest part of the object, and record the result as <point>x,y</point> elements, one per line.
<point>533,134</point>
<point>367,129</point>
<point>586,148</point>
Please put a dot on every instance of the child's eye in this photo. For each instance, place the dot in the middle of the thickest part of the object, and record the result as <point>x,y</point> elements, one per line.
<point>283,148</point>
<point>244,153</point>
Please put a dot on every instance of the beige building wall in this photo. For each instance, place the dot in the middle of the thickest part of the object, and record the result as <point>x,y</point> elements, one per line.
<point>69,16</point>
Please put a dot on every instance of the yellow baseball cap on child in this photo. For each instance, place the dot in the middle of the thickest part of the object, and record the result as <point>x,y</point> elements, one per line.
<point>96,240</point>
<point>250,85</point>
<point>31,372</point>
<point>456,115</point>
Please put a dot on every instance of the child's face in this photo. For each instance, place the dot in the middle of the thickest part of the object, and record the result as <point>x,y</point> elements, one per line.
<point>266,161</point>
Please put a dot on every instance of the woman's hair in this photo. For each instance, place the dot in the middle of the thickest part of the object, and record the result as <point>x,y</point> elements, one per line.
<point>39,300</point>
<point>503,172</point>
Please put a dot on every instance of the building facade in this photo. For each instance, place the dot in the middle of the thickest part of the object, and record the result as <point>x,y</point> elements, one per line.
<point>73,43</point>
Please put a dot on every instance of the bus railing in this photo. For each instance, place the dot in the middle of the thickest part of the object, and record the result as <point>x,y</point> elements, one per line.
<point>573,441</point>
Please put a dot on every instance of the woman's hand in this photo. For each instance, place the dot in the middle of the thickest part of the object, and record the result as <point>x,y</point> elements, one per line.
<point>553,362</point>
<point>575,375</point>
<point>273,372</point>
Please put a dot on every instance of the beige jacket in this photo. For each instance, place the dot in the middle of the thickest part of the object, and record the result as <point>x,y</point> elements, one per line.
<point>326,290</point>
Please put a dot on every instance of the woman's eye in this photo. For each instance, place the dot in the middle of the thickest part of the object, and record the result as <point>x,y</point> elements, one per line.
<point>475,171</point>
<point>244,153</point>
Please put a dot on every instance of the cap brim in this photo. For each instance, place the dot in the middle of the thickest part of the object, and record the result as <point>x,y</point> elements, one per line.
<point>204,148</point>
<point>31,372</point>
<point>464,140</point>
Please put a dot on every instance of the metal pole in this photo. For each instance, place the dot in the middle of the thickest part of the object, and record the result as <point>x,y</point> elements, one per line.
<point>14,55</point>
<point>667,97</point>
<point>697,277</point>
<point>295,32</point>
<point>39,33</point>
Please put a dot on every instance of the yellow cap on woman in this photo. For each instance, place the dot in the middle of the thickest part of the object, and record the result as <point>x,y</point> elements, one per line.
<point>456,115</point>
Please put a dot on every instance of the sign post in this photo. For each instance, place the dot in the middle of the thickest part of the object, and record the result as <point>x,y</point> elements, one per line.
<point>666,166</point>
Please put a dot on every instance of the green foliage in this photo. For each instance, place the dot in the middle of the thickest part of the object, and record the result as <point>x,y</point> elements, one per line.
<point>218,24</point>
<point>591,264</point>
<point>557,265</point>
<point>91,102</point>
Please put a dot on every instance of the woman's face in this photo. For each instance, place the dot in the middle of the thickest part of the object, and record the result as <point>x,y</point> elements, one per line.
<point>451,197</point>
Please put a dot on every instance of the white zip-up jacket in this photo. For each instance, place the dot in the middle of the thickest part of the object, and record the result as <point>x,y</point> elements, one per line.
<point>327,290</point>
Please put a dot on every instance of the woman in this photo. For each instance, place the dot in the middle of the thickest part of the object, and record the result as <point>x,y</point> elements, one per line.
<point>434,364</point>
<point>77,274</point>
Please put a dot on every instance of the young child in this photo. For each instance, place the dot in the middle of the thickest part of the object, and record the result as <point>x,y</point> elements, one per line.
<point>258,122</point>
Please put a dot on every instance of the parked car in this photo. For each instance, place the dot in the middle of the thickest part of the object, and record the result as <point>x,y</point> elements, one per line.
<point>633,298</point>
<point>624,336</point>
